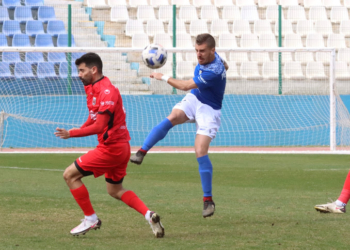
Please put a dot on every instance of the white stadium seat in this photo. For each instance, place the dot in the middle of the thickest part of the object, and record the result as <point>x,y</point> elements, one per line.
<point>317,13</point>
<point>184,41</point>
<point>241,3</point>
<point>191,56</point>
<point>222,56</point>
<point>311,3</point>
<point>331,3</point>
<point>200,3</point>
<point>154,26</point>
<point>267,41</point>
<point>336,41</point>
<point>249,41</point>
<point>238,56</point>
<point>227,41</point>
<point>343,55</point>
<point>180,27</point>
<point>218,27</point>
<point>116,2</point>
<point>344,28</point>
<point>185,70</point>
<point>305,27</point>
<point>232,72</point>
<point>97,4</point>
<point>339,14</point>
<point>163,39</point>
<point>270,70</point>
<point>231,13</point>
<point>315,71</point>
<point>198,27</point>
<point>286,56</point>
<point>296,13</point>
<point>341,71</point>
<point>266,3</point>
<point>304,57</point>
<point>188,13</point>
<point>241,27</point>
<point>222,3</point>
<point>293,40</point>
<point>133,27</point>
<point>209,12</point>
<point>179,3</point>
<point>323,57</point>
<point>250,71</point>
<point>139,40</point>
<point>293,71</point>
<point>287,3</point>
<point>287,28</point>
<point>145,13</point>
<point>314,40</point>
<point>323,27</point>
<point>119,14</point>
<point>249,13</point>
<point>262,27</point>
<point>136,3</point>
<point>165,13</point>
<point>347,3</point>
<point>272,14</point>
<point>157,3</point>
<point>260,57</point>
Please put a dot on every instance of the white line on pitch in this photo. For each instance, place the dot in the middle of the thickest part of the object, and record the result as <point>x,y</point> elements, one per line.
<point>35,169</point>
<point>327,169</point>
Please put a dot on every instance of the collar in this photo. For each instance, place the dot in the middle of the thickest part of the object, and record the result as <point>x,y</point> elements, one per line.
<point>97,80</point>
<point>95,85</point>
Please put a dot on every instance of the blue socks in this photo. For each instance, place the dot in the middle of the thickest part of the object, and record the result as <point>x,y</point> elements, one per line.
<point>157,134</point>
<point>206,173</point>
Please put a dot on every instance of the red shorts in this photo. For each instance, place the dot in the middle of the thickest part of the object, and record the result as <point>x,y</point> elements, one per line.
<point>110,160</point>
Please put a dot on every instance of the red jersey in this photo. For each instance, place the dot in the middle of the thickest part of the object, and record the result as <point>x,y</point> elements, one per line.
<point>103,97</point>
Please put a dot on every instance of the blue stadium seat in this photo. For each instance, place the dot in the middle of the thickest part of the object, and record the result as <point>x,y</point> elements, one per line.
<point>23,14</point>
<point>63,71</point>
<point>56,27</point>
<point>76,55</point>
<point>34,57</point>
<point>46,69</point>
<point>56,57</point>
<point>34,28</point>
<point>11,57</point>
<point>46,13</point>
<point>5,70</point>
<point>11,4</point>
<point>62,40</point>
<point>4,14</point>
<point>43,40</point>
<point>11,27</point>
<point>23,70</point>
<point>20,40</point>
<point>3,41</point>
<point>34,4</point>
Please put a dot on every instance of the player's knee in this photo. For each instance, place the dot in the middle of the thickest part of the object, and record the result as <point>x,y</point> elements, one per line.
<point>116,194</point>
<point>67,175</point>
<point>201,151</point>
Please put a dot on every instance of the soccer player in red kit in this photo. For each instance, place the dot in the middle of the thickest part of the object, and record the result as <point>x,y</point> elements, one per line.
<point>111,156</point>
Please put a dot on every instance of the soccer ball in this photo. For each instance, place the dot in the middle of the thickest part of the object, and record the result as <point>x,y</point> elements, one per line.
<point>154,56</point>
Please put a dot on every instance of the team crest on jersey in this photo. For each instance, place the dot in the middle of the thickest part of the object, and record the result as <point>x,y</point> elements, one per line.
<point>94,101</point>
<point>107,91</point>
<point>200,72</point>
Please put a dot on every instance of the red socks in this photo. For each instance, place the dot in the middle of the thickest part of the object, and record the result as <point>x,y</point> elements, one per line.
<point>81,195</point>
<point>131,199</point>
<point>143,151</point>
<point>209,198</point>
<point>345,193</point>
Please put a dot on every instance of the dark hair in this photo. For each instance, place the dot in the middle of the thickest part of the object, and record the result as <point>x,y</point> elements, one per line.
<point>207,39</point>
<point>90,60</point>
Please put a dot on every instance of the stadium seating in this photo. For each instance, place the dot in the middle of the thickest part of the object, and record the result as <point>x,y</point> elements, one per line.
<point>272,14</point>
<point>341,71</point>
<point>270,70</point>
<point>323,27</point>
<point>311,3</point>
<point>165,13</point>
<point>219,27</point>
<point>180,2</point>
<point>56,57</point>
<point>34,57</point>
<point>198,27</point>
<point>97,4</point>
<point>136,3</point>
<point>344,55</point>
<point>3,41</point>
<point>184,69</point>
<point>23,14</point>
<point>222,3</point>
<point>163,39</point>
<point>23,70</point>
<point>315,71</point>
<point>63,70</point>
<point>184,41</point>
<point>76,55</point>
<point>4,15</point>
<point>314,40</point>
<point>241,3</point>
<point>293,71</point>
<point>331,3</point>
<point>62,40</point>
<point>317,13</point>
<point>133,27</point>
<point>347,3</point>
<point>11,27</point>
<point>43,40</point>
<point>232,72</point>
<point>287,28</point>
<point>46,13</point>
<point>305,27</point>
<point>249,41</point>
<point>227,40</point>
<point>145,13</point>
<point>200,3</point>
<point>287,3</point>
<point>56,27</point>
<point>154,27</point>
<point>119,14</point>
<point>292,40</point>
<point>209,13</point>
<point>304,57</point>
<point>157,3</point>
<point>267,40</point>
<point>34,28</point>
<point>139,40</point>
<point>336,41</point>
<point>188,13</point>
<point>113,3</point>
<point>11,4</point>
<point>262,27</point>
<point>46,70</point>
<point>180,27</point>
<point>250,71</point>
<point>241,27</point>
<point>11,57</point>
<point>296,13</point>
<point>249,13</point>
<point>344,28</point>
<point>21,40</point>
<point>34,4</point>
<point>5,71</point>
<point>266,3</point>
<point>339,14</point>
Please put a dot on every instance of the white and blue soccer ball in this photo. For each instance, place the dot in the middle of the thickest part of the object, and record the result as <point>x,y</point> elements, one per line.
<point>154,56</point>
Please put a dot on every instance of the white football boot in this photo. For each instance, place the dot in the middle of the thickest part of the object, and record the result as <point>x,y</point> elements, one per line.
<point>85,226</point>
<point>156,225</point>
<point>330,208</point>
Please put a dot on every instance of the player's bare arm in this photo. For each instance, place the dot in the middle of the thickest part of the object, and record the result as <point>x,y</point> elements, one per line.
<point>179,84</point>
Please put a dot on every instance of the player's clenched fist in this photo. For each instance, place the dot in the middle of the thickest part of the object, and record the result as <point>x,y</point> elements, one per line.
<point>62,133</point>
<point>157,76</point>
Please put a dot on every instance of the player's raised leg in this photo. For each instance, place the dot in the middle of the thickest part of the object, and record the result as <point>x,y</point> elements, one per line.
<point>73,176</point>
<point>117,191</point>
<point>338,206</point>
<point>158,133</point>
<point>206,173</point>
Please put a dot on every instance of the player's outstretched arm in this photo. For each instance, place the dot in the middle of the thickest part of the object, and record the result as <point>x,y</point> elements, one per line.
<point>179,84</point>
<point>96,128</point>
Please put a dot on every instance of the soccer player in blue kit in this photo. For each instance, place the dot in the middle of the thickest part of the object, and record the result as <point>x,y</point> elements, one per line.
<point>202,105</point>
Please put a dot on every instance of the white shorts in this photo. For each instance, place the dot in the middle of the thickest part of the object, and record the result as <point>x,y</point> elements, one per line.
<point>207,119</point>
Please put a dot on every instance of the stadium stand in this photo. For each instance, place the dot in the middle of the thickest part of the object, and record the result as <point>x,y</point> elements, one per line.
<point>20,40</point>
<point>34,57</point>
<point>11,4</point>
<point>23,14</point>
<point>43,40</point>
<point>56,57</point>
<point>55,27</point>
<point>34,27</point>
<point>3,41</point>
<point>63,70</point>
<point>5,71</point>
<point>24,70</point>
<point>11,27</point>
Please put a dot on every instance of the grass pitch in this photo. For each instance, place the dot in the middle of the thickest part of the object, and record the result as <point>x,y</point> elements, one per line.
<point>262,202</point>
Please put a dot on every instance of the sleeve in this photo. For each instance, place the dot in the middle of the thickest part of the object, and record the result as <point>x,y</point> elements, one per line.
<point>96,128</point>
<point>205,79</point>
<point>108,101</point>
<point>88,122</point>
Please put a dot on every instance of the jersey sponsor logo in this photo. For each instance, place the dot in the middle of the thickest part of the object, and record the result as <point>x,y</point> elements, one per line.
<point>201,79</point>
<point>102,103</point>
<point>107,91</point>
<point>223,75</point>
<point>94,101</point>
<point>93,115</point>
<point>109,103</point>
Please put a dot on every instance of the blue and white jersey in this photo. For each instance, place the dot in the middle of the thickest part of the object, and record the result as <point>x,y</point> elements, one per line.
<point>211,82</point>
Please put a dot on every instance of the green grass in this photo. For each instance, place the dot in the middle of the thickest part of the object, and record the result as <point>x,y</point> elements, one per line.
<point>262,202</point>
